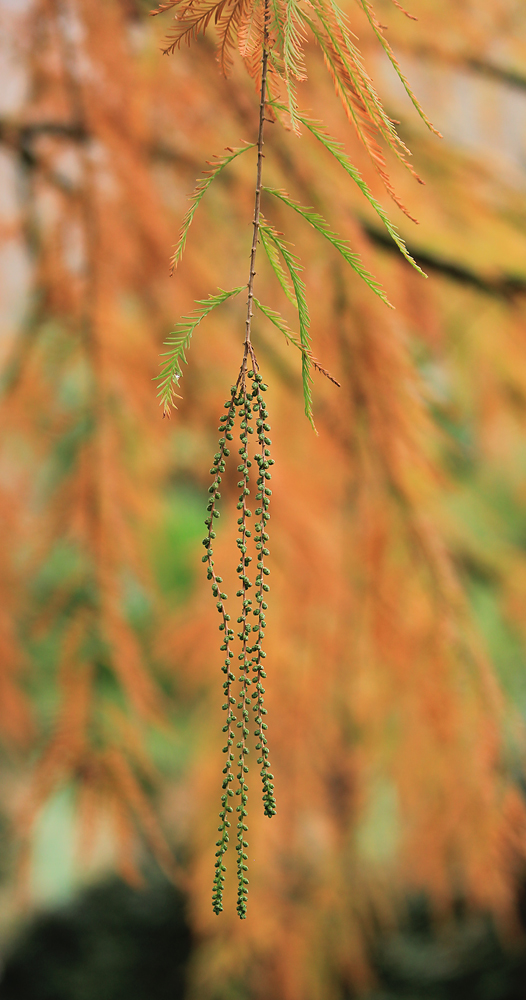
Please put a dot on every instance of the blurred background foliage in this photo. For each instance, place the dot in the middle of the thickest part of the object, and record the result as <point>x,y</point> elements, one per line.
<point>397,656</point>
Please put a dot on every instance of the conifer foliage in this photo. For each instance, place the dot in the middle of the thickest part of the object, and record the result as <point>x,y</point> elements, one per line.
<point>75,380</point>
<point>393,532</point>
<point>269,35</point>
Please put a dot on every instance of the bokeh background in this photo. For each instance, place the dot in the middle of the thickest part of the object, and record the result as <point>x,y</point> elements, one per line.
<point>397,623</point>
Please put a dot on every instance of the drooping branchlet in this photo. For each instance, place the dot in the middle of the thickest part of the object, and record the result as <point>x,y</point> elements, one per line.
<point>275,59</point>
<point>245,403</point>
<point>217,471</point>
<point>264,461</point>
<point>244,534</point>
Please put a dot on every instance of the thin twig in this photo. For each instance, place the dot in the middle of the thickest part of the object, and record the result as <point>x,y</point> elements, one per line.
<point>257,203</point>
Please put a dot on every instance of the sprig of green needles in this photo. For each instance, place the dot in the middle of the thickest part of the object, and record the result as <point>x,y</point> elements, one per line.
<point>270,35</point>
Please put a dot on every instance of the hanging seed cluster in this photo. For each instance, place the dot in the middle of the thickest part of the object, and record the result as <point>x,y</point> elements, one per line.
<point>247,404</point>
<point>264,461</point>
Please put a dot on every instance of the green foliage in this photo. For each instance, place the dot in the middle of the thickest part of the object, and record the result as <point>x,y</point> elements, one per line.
<point>270,237</point>
<point>277,320</point>
<point>199,191</point>
<point>375,25</point>
<point>321,226</point>
<point>294,66</point>
<point>336,150</point>
<point>272,253</point>
<point>179,340</point>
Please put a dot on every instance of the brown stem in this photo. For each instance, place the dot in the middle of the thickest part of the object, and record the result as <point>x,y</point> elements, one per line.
<point>257,203</point>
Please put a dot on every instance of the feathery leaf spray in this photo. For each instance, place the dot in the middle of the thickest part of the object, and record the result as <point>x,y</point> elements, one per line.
<point>270,37</point>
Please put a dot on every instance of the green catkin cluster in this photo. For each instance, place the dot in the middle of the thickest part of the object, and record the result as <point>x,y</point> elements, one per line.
<point>244,533</point>
<point>217,470</point>
<point>264,461</point>
<point>246,402</point>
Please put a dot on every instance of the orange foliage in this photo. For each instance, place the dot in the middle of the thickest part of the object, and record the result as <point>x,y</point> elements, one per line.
<point>386,719</point>
<point>83,383</point>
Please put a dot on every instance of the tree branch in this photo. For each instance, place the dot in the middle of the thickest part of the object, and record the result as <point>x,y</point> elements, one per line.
<point>504,286</point>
